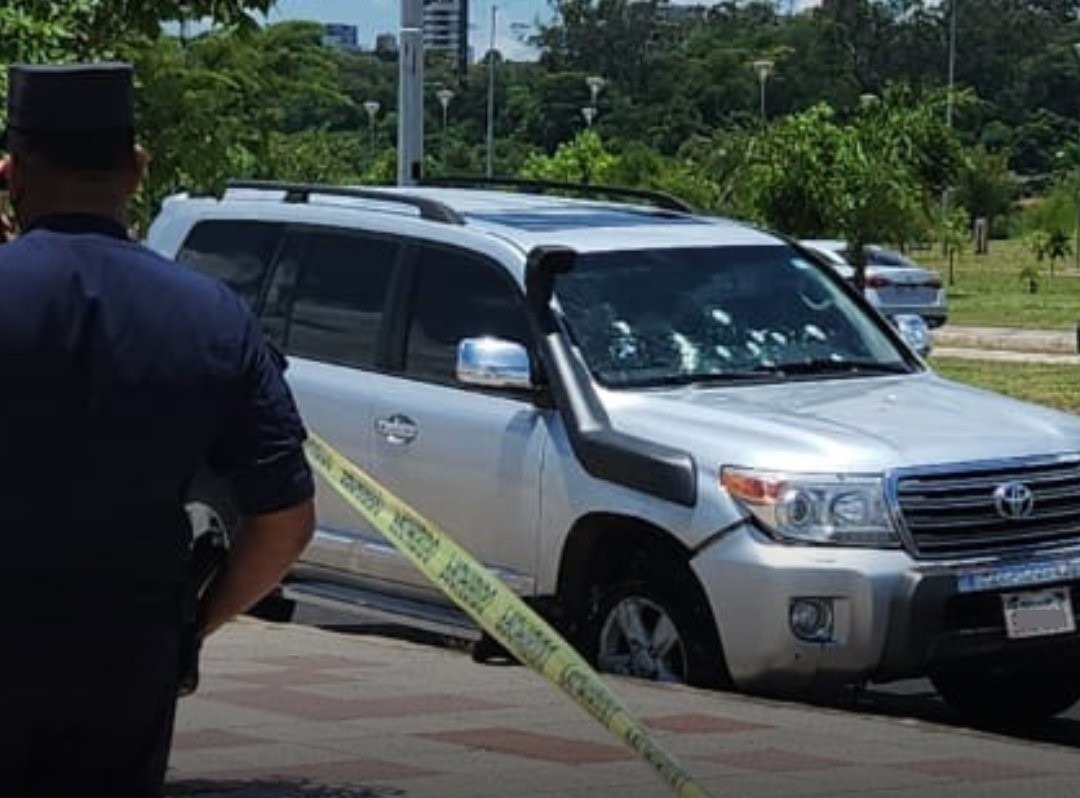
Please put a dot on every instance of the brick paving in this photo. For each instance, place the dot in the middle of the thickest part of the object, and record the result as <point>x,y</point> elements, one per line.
<point>289,711</point>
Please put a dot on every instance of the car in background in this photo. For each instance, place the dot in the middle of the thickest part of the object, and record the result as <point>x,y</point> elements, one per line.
<point>895,284</point>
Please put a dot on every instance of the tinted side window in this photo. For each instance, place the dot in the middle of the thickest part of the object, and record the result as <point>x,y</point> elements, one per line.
<point>327,296</point>
<point>458,295</point>
<point>236,252</point>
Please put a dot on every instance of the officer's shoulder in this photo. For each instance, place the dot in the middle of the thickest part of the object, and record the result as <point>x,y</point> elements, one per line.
<point>188,284</point>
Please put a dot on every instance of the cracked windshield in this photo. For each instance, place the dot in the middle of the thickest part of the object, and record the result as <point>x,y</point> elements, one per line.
<point>698,315</point>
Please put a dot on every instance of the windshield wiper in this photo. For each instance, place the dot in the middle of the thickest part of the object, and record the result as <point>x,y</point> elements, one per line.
<point>768,372</point>
<point>756,375</point>
<point>829,366</point>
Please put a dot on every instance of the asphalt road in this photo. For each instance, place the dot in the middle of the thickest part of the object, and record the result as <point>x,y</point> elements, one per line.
<point>914,698</point>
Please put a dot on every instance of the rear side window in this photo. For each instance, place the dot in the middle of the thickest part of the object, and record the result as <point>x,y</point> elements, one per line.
<point>236,252</point>
<point>327,296</point>
<point>458,295</point>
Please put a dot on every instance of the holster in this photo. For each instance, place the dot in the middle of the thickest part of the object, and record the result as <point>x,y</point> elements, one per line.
<point>209,552</point>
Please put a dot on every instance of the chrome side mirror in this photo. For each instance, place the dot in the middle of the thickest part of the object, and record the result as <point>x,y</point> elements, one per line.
<point>915,332</point>
<point>493,363</point>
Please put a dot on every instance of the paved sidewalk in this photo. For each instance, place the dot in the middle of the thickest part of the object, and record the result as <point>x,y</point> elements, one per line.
<point>296,711</point>
<point>1006,338</point>
<point>1006,344</point>
<point>1005,356</point>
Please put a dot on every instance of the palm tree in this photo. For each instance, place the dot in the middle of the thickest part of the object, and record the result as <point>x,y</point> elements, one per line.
<point>1057,247</point>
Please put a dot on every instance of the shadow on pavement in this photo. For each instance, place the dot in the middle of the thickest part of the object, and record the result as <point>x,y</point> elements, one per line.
<point>925,705</point>
<point>915,699</point>
<point>397,632</point>
<point>273,788</point>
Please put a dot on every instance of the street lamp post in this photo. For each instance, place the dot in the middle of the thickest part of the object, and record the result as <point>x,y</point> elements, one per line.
<point>595,83</point>
<point>1076,181</point>
<point>490,159</point>
<point>952,64</point>
<point>950,78</point>
<point>444,96</point>
<point>763,67</point>
<point>372,108</point>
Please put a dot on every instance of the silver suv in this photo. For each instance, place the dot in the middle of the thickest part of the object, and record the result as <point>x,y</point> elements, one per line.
<point>689,442</point>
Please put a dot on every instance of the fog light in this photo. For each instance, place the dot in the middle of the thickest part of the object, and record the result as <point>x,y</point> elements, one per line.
<point>811,619</point>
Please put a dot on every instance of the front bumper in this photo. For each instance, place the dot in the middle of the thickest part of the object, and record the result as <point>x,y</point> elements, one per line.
<point>935,313</point>
<point>893,616</point>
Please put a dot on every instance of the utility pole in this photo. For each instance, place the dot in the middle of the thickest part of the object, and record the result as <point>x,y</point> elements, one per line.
<point>1075,180</point>
<point>411,94</point>
<point>491,97</point>
<point>952,63</point>
<point>951,81</point>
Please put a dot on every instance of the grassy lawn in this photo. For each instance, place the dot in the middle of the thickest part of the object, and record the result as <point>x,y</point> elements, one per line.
<point>988,289</point>
<point>1054,385</point>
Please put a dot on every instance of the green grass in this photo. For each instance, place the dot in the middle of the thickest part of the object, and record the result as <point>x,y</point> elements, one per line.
<point>988,290</point>
<point>1053,385</point>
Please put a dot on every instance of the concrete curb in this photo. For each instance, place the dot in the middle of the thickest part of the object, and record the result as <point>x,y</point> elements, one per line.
<point>1006,339</point>
<point>1005,356</point>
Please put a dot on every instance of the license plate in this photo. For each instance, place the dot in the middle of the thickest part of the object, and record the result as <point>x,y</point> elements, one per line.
<point>1037,613</point>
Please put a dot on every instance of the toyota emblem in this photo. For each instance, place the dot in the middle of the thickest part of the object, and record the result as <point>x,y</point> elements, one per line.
<point>1014,500</point>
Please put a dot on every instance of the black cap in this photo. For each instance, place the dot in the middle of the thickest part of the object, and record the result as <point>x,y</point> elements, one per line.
<point>71,103</point>
<point>73,98</point>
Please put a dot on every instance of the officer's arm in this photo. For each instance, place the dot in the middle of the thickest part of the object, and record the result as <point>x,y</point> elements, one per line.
<point>260,447</point>
<point>266,547</point>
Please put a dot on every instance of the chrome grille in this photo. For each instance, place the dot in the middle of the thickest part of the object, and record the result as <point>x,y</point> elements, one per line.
<point>954,513</point>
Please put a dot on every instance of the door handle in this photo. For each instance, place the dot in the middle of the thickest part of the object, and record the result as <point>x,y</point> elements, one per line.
<point>398,429</point>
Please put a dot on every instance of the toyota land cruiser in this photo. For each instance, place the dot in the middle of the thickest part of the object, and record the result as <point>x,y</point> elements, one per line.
<point>686,439</point>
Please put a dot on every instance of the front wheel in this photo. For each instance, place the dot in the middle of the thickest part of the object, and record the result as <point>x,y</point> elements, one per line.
<point>1013,696</point>
<point>656,631</point>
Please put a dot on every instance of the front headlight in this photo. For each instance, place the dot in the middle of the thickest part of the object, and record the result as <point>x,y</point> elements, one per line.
<point>831,509</point>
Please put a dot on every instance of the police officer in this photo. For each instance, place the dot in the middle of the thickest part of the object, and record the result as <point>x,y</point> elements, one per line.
<point>7,226</point>
<point>120,373</point>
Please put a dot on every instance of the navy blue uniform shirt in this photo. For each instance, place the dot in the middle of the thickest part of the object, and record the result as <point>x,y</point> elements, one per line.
<point>121,373</point>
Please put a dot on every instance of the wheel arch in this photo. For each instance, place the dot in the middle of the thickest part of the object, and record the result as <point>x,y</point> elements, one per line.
<point>602,547</point>
<point>604,552</point>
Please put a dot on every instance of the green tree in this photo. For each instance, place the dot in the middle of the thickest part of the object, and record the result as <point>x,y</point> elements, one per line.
<point>954,236</point>
<point>1037,243</point>
<point>584,159</point>
<point>873,178</point>
<point>1057,247</point>
<point>986,187</point>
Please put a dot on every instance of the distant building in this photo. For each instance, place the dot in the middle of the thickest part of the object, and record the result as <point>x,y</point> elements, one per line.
<point>386,46</point>
<point>446,29</point>
<point>341,37</point>
<point>679,13</point>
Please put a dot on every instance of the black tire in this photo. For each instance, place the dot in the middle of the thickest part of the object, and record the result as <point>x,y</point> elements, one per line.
<point>695,657</point>
<point>1009,697</point>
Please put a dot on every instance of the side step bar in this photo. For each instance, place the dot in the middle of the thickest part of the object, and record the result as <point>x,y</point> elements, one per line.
<point>387,609</point>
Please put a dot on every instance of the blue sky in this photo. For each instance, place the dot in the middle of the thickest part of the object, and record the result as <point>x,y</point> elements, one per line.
<point>515,18</point>
<point>381,16</point>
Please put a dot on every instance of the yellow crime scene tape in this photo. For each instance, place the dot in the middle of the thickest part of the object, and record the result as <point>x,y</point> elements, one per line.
<point>495,607</point>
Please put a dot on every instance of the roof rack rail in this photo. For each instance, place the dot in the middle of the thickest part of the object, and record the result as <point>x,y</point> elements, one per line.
<point>429,209</point>
<point>586,190</point>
